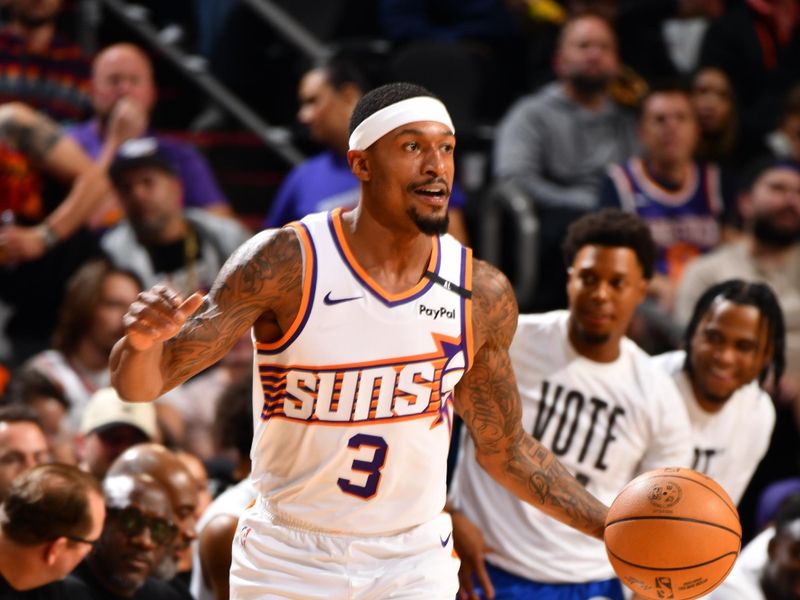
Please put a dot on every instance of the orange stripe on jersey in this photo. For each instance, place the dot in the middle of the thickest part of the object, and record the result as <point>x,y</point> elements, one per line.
<point>308,270</point>
<point>336,217</point>
<point>468,334</point>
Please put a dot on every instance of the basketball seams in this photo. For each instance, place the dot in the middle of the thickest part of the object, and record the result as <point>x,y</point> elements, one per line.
<point>681,568</point>
<point>700,483</point>
<point>667,518</point>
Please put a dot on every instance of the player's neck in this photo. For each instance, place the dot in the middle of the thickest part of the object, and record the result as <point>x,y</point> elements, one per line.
<point>602,352</point>
<point>395,258</point>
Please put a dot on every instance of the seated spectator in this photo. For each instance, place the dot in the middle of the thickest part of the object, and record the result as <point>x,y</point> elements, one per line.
<point>785,141</point>
<point>767,566</point>
<point>735,340</point>
<point>682,200</point>
<point>769,252</point>
<point>49,521</point>
<point>166,468</point>
<point>110,426</point>
<point>41,240</point>
<point>327,96</point>
<point>216,529</point>
<point>89,324</point>
<point>40,67</point>
<point>22,444</point>
<point>123,94</point>
<point>138,532</point>
<point>200,476</point>
<point>771,500</point>
<point>718,116</point>
<point>556,144</point>
<point>32,388</point>
<point>159,240</point>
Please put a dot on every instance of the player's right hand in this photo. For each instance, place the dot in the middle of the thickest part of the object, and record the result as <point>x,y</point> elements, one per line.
<point>471,549</point>
<point>157,315</point>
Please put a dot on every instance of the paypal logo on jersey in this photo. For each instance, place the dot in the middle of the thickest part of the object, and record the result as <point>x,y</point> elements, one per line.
<point>436,313</point>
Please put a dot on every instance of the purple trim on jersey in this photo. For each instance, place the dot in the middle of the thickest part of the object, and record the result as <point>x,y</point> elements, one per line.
<point>312,290</point>
<point>462,282</point>
<point>367,286</point>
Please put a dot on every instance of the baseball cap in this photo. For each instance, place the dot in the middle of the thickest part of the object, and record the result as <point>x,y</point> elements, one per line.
<point>105,409</point>
<point>773,497</point>
<point>141,152</point>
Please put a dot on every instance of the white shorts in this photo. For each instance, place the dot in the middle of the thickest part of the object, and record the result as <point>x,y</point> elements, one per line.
<point>273,560</point>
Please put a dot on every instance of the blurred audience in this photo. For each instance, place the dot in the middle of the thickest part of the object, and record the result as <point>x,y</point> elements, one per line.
<point>89,324</point>
<point>50,520</point>
<point>39,66</point>
<point>217,527</point>
<point>785,141</point>
<point>110,426</point>
<point>123,93</point>
<point>23,444</point>
<point>682,200</point>
<point>556,144</point>
<point>159,240</point>
<point>48,190</point>
<point>138,532</point>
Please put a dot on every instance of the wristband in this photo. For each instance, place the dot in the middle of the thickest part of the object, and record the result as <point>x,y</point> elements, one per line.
<point>49,236</point>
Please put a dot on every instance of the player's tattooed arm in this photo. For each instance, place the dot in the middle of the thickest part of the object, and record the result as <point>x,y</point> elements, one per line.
<point>168,339</point>
<point>27,131</point>
<point>488,401</point>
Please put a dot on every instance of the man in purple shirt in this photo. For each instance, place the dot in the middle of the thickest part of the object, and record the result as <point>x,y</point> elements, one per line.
<point>123,94</point>
<point>327,96</point>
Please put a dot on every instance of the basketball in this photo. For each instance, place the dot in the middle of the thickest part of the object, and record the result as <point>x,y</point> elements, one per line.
<point>672,533</point>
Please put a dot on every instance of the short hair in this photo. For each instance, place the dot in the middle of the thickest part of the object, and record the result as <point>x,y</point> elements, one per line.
<point>580,16</point>
<point>339,71</point>
<point>29,382</point>
<point>744,293</point>
<point>80,300</point>
<point>613,228</point>
<point>48,502</point>
<point>667,87</point>
<point>19,413</point>
<point>760,165</point>
<point>384,96</point>
<point>233,425</point>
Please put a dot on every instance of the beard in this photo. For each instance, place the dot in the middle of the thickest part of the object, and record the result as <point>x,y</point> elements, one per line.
<point>430,225</point>
<point>765,232</point>
<point>588,85</point>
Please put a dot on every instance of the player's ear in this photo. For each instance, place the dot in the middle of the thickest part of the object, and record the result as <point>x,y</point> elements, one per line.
<point>359,164</point>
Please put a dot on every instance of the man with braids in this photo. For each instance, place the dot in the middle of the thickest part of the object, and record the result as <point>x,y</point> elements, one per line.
<point>593,397</point>
<point>735,340</point>
<point>363,322</point>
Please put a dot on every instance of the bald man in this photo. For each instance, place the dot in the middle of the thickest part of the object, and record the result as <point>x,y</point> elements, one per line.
<point>123,94</point>
<point>166,468</point>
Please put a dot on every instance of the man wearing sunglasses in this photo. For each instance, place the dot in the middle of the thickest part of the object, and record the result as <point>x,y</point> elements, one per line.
<point>138,532</point>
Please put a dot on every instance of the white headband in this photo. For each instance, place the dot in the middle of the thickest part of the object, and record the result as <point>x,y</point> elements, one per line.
<point>378,124</point>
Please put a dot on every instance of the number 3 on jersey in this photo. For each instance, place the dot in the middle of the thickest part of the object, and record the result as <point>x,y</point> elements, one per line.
<point>373,467</point>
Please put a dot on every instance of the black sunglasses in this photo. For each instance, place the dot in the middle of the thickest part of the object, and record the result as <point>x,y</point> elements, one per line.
<point>82,540</point>
<point>132,521</point>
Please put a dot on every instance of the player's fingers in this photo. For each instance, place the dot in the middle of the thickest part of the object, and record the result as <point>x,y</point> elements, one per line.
<point>190,305</point>
<point>483,579</point>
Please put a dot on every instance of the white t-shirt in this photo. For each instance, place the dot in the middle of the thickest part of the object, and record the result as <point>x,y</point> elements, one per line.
<point>729,444</point>
<point>232,502</point>
<point>606,422</point>
<point>743,581</point>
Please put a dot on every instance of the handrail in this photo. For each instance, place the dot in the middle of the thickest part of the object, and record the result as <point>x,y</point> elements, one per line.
<point>288,27</point>
<point>507,198</point>
<point>195,69</point>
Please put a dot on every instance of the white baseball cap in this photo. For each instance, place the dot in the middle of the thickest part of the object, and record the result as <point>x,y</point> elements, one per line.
<point>105,409</point>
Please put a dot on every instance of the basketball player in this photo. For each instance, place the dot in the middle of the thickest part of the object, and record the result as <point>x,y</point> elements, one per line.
<point>363,322</point>
<point>734,339</point>
<point>596,400</point>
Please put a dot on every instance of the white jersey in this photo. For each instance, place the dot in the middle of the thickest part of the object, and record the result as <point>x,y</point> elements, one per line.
<point>231,502</point>
<point>743,582</point>
<point>729,444</point>
<point>605,422</point>
<point>353,405</point>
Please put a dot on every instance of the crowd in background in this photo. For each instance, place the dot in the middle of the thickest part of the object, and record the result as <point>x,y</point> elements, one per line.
<point>670,109</point>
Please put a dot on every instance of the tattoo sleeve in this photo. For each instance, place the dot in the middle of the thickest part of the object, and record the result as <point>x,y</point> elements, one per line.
<point>262,277</point>
<point>488,401</point>
<point>29,132</point>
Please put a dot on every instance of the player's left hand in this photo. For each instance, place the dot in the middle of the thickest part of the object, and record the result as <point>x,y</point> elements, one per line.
<point>471,549</point>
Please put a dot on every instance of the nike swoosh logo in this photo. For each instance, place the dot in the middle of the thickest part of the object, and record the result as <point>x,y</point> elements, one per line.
<point>331,301</point>
<point>445,540</point>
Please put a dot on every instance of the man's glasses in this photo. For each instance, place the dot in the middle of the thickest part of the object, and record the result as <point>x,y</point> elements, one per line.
<point>76,538</point>
<point>132,522</point>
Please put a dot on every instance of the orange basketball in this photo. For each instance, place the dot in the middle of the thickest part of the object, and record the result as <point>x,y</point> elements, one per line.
<point>672,533</point>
